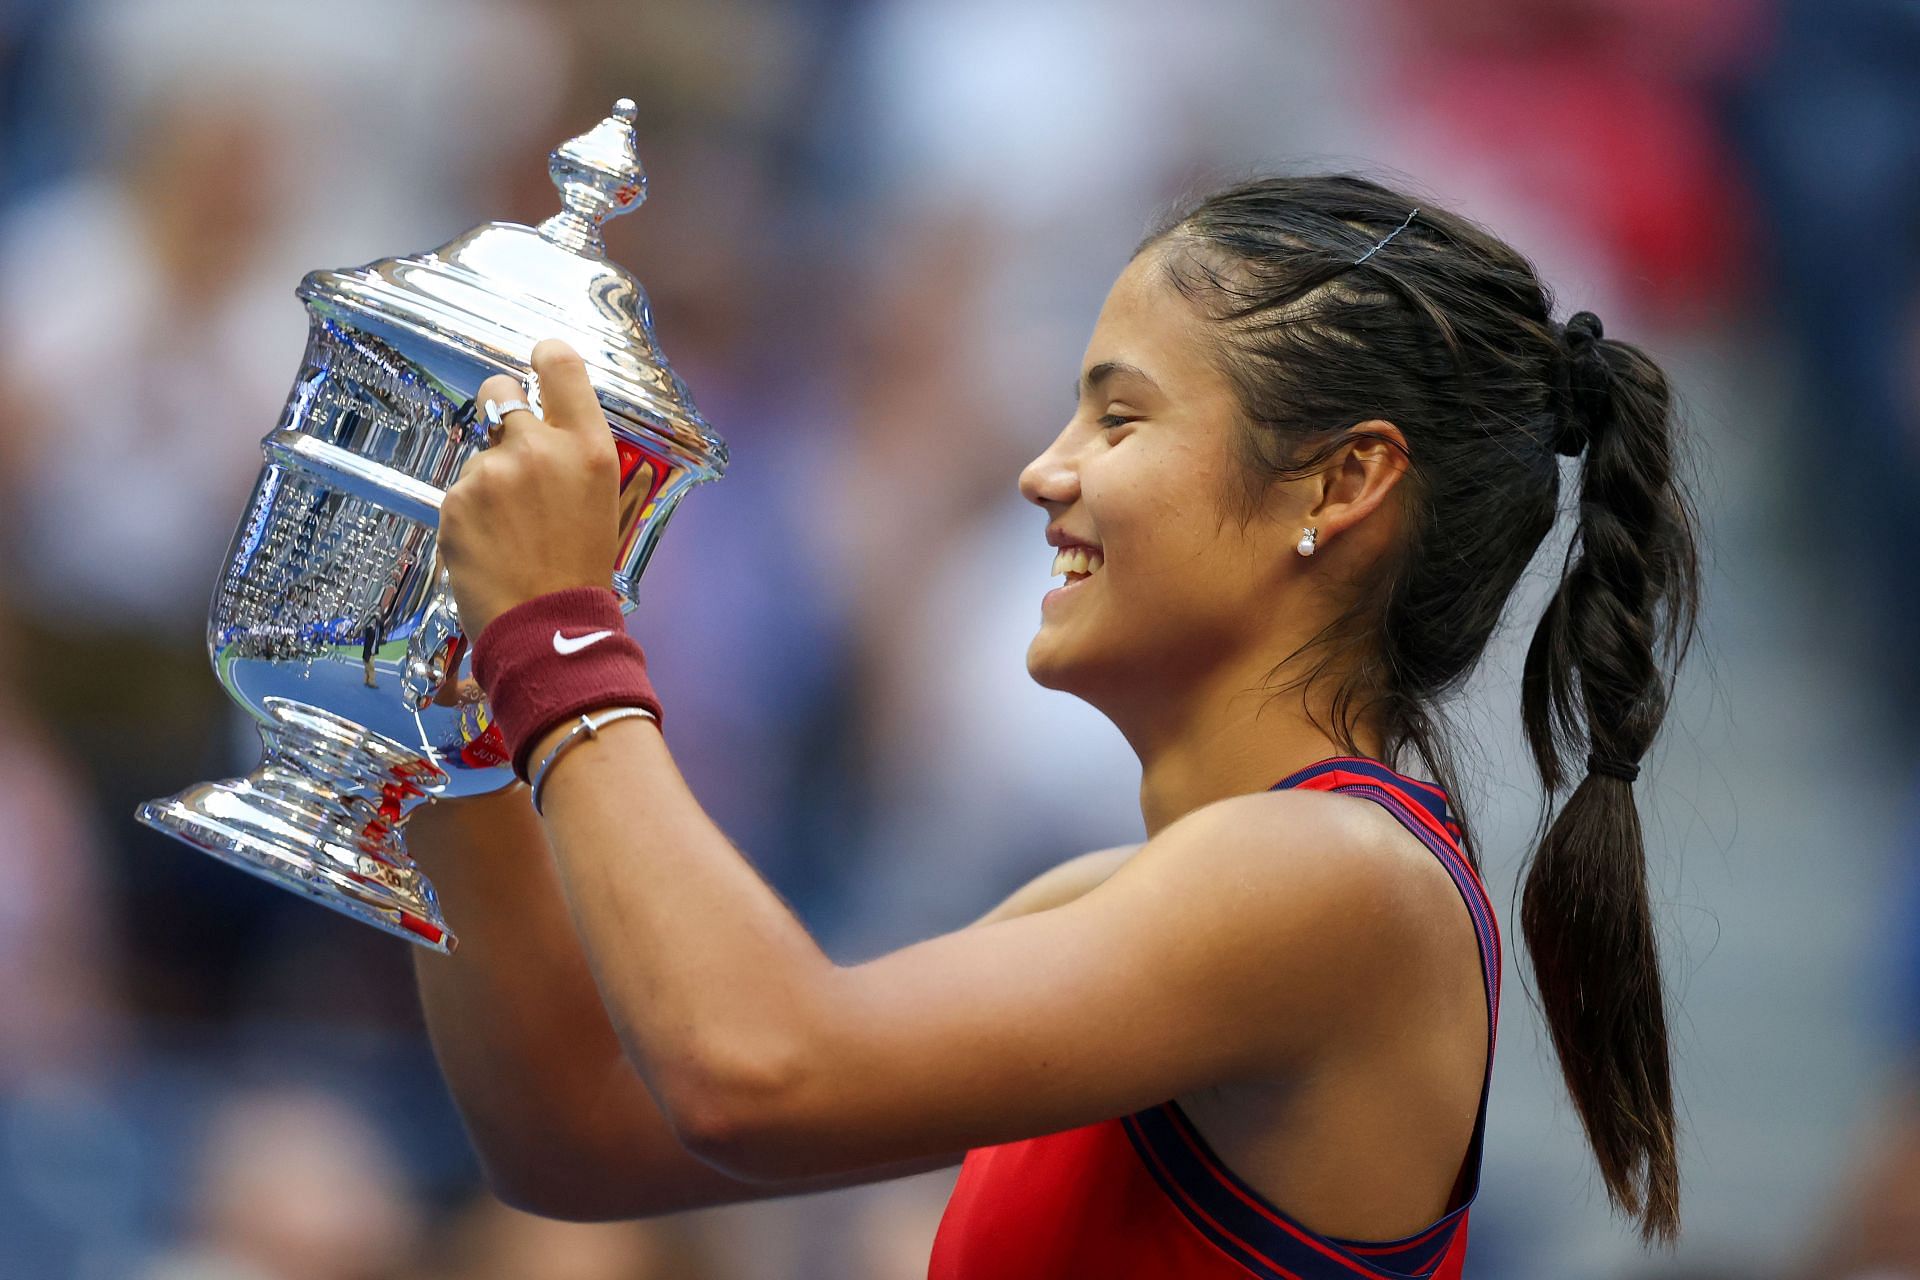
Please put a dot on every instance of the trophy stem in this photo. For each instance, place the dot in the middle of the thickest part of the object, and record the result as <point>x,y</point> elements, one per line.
<point>323,815</point>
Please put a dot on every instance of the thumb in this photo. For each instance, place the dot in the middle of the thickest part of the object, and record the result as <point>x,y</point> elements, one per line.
<point>567,399</point>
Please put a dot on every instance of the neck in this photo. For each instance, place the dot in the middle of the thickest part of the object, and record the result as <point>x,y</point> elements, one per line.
<point>1231,738</point>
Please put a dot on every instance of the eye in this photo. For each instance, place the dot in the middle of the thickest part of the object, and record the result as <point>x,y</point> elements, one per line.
<point>1112,420</point>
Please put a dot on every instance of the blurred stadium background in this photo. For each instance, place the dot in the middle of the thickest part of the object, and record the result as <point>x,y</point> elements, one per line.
<point>878,235</point>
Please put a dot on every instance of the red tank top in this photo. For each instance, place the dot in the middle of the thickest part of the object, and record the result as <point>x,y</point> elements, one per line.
<point>1144,1195</point>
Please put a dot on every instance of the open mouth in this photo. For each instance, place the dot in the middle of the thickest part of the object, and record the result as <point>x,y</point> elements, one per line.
<point>1077,563</point>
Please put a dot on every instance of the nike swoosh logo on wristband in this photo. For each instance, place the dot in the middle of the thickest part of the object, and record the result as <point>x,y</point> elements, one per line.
<point>565,646</point>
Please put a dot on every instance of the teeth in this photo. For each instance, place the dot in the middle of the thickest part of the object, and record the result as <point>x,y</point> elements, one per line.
<point>1077,560</point>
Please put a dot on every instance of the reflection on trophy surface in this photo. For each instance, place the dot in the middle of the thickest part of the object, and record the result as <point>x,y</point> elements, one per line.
<point>332,624</point>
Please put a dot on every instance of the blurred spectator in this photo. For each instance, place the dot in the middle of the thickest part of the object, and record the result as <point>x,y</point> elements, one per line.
<point>69,1183</point>
<point>144,392</point>
<point>295,1185</point>
<point>58,1007</point>
<point>144,415</point>
<point>489,1241</point>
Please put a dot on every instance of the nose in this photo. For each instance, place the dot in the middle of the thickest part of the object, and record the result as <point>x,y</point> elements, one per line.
<point>1051,479</point>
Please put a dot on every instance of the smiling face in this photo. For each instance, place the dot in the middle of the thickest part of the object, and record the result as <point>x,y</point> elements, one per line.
<point>1142,481</point>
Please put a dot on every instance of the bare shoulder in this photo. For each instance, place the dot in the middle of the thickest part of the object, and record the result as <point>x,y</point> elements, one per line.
<point>1325,896</point>
<point>1340,848</point>
<point>1290,833</point>
<point>1309,872</point>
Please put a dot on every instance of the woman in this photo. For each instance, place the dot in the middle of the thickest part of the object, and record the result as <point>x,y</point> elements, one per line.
<point>1317,441</point>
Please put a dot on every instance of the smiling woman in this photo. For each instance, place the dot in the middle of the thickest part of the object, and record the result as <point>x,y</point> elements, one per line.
<point>1315,443</point>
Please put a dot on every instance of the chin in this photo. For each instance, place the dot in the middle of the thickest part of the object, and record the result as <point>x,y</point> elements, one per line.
<point>1047,664</point>
<point>1055,665</point>
<point>1041,665</point>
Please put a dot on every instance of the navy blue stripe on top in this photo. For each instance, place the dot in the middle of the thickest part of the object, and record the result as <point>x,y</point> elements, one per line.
<point>1425,794</point>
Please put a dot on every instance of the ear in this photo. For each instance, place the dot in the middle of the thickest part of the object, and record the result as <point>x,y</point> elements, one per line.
<point>1358,478</point>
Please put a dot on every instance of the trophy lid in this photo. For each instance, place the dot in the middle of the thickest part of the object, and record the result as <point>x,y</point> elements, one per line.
<point>497,290</point>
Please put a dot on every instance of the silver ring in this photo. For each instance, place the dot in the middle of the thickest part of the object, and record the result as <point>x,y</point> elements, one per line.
<point>495,412</point>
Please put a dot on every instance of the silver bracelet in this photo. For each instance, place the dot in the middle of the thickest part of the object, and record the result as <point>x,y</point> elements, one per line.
<point>589,728</point>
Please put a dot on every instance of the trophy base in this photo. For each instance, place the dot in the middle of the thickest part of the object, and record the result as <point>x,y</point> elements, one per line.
<point>323,815</point>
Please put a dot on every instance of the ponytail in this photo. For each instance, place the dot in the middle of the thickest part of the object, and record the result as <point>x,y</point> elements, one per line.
<point>1336,301</point>
<point>1596,682</point>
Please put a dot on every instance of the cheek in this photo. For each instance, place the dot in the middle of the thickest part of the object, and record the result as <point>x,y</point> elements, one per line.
<point>1135,491</point>
<point>1157,530</point>
<point>1176,568</point>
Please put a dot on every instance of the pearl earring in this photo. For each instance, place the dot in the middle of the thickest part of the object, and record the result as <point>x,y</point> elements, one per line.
<point>1307,537</point>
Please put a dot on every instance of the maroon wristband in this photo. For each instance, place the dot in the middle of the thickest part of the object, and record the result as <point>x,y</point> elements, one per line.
<point>545,661</point>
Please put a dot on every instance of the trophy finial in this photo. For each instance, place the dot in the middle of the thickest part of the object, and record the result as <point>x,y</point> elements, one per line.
<point>599,177</point>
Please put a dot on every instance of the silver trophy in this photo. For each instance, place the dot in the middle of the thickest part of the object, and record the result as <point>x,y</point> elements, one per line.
<point>332,624</point>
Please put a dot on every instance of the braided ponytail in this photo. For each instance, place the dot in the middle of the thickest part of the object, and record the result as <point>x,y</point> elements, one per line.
<point>1337,301</point>
<point>1597,678</point>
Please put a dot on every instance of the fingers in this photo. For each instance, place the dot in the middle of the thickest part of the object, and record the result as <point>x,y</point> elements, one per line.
<point>566,393</point>
<point>567,398</point>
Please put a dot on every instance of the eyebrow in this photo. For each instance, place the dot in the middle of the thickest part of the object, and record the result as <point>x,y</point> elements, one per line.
<point>1107,369</point>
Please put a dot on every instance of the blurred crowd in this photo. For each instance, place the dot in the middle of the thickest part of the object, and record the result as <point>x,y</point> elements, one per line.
<point>878,233</point>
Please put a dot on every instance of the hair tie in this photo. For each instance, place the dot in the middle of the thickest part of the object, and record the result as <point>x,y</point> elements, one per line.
<point>1578,382</point>
<point>1613,768</point>
<point>1582,330</point>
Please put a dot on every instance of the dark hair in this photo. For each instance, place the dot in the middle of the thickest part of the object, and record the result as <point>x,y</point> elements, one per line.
<point>1338,303</point>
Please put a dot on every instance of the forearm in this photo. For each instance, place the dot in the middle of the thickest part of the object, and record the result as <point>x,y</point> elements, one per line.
<point>514,1016</point>
<point>713,986</point>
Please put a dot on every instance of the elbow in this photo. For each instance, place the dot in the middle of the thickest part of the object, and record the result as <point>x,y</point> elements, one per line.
<point>746,1113</point>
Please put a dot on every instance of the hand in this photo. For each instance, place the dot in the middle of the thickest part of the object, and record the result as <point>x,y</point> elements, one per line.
<point>538,511</point>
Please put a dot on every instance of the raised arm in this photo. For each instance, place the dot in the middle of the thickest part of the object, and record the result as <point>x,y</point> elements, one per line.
<point>1238,944</point>
<point>562,1122</point>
